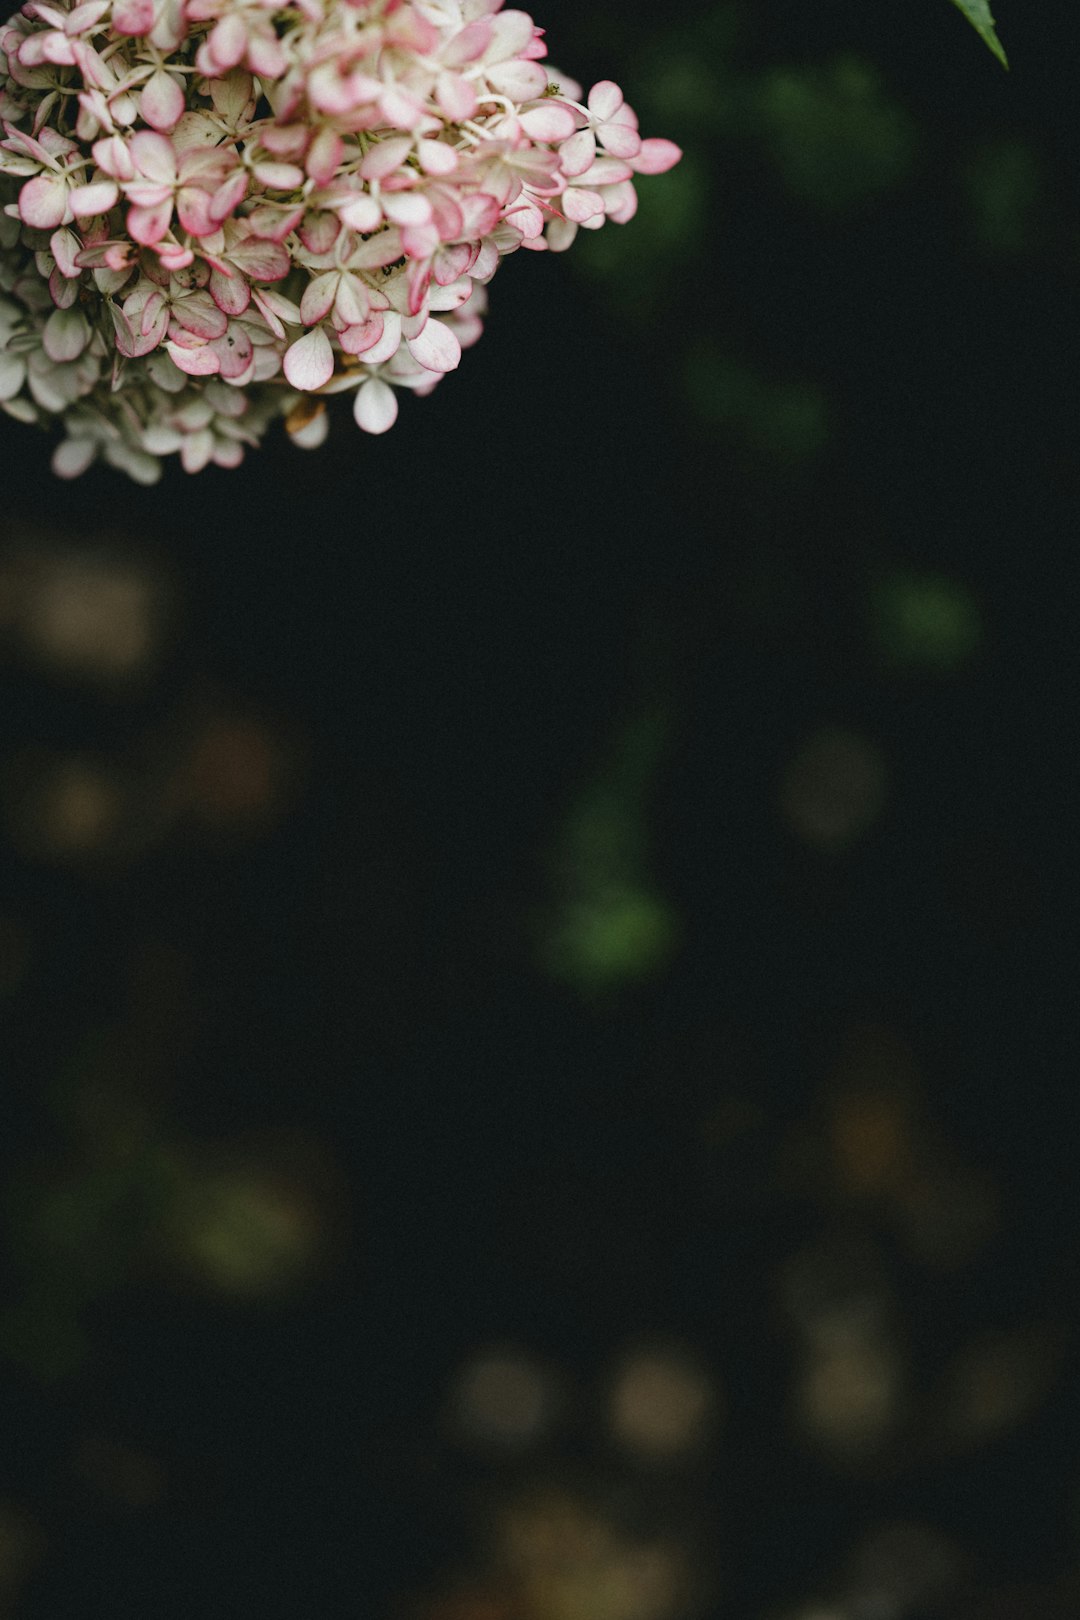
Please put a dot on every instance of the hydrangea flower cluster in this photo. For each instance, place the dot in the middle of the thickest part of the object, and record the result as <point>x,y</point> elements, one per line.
<point>218,212</point>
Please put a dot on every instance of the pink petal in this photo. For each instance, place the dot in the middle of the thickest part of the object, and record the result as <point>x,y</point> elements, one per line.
<point>227,42</point>
<point>266,56</point>
<point>318,298</point>
<point>436,157</point>
<point>149,225</point>
<point>407,208</point>
<point>621,203</point>
<point>351,304</point>
<point>153,156</point>
<point>200,362</point>
<point>261,261</point>
<point>605,99</point>
<point>147,193</point>
<point>606,171</point>
<point>199,315</point>
<point>174,257</point>
<point>43,202</point>
<point>98,198</point>
<point>455,96</point>
<point>309,362</point>
<point>161,103</point>
<point>577,154</point>
<point>375,407</point>
<point>132,16</point>
<point>324,156</point>
<point>229,196</point>
<point>548,123</point>
<point>468,44</point>
<point>581,205</point>
<point>112,155</point>
<point>272,222</point>
<point>436,347</point>
<point>527,218</point>
<point>193,211</point>
<point>234,351</point>
<point>378,250</point>
<point>319,231</point>
<point>520,81</point>
<point>388,345</point>
<point>155,318</point>
<point>656,157</point>
<point>279,176</point>
<point>231,294</point>
<point>386,156</point>
<point>451,297</point>
<point>511,32</point>
<point>62,291</point>
<point>85,16</point>
<point>401,109</point>
<point>64,245</point>
<point>267,302</point>
<point>359,339</point>
<point>621,140</point>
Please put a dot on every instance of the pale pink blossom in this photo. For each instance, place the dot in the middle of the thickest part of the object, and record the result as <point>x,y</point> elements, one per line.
<point>219,212</point>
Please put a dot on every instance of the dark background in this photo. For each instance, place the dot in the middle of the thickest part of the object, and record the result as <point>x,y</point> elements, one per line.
<point>590,865</point>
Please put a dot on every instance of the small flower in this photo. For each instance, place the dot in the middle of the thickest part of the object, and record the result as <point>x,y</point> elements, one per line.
<point>220,212</point>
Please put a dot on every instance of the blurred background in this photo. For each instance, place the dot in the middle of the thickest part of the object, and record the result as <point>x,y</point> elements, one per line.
<point>537,970</point>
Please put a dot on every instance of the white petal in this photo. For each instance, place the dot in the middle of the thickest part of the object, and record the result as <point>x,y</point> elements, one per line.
<point>376,406</point>
<point>436,347</point>
<point>309,362</point>
<point>72,457</point>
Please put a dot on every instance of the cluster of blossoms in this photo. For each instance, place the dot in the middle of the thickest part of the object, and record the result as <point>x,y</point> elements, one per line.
<point>217,212</point>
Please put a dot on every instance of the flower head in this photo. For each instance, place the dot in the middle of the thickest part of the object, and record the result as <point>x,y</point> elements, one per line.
<point>216,212</point>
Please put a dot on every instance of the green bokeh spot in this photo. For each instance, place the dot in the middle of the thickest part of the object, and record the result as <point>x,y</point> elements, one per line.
<point>1004,187</point>
<point>925,621</point>
<point>837,138</point>
<point>619,935</point>
<point>787,420</point>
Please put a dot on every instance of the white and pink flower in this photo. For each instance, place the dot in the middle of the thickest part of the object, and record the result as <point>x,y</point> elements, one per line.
<point>218,212</point>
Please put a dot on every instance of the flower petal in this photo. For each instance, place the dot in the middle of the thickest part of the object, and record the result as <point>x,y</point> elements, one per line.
<point>200,362</point>
<point>65,334</point>
<point>548,122</point>
<point>309,362</point>
<point>98,198</point>
<point>656,157</point>
<point>436,347</point>
<point>153,156</point>
<point>605,99</point>
<point>161,103</point>
<point>375,407</point>
<point>72,457</point>
<point>43,202</point>
<point>318,298</point>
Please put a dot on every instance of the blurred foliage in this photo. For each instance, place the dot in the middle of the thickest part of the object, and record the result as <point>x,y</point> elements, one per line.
<point>607,927</point>
<point>835,136</point>
<point>783,423</point>
<point>926,622</point>
<point>1006,194</point>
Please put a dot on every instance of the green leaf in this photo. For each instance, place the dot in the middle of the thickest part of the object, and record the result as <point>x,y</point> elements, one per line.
<point>978,15</point>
